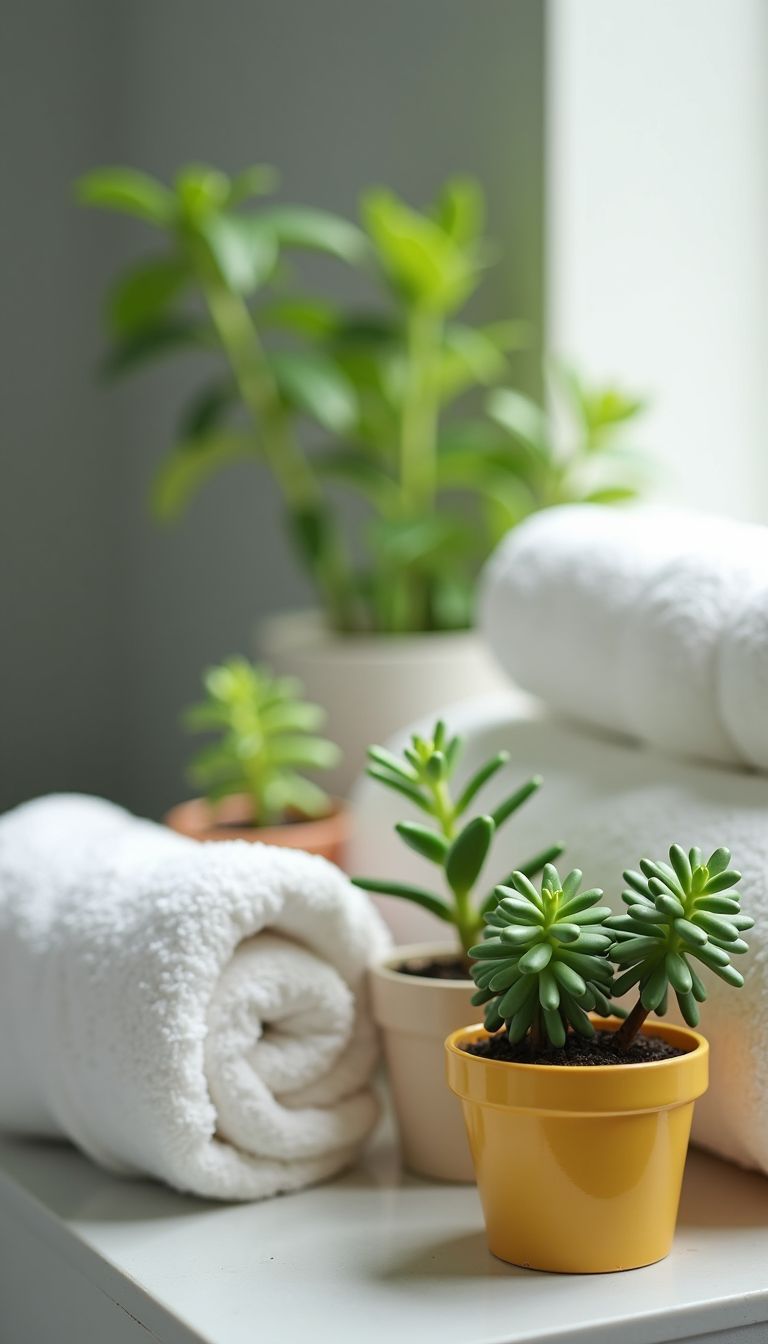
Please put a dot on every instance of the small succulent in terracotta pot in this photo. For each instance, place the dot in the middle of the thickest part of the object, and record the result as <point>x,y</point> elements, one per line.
<point>252,774</point>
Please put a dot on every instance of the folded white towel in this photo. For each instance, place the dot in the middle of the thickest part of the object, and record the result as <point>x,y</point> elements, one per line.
<point>648,621</point>
<point>612,803</point>
<point>194,1012</point>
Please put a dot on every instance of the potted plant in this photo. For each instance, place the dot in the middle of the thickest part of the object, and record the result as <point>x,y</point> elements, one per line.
<point>364,400</point>
<point>252,779</point>
<point>423,991</point>
<point>576,1119</point>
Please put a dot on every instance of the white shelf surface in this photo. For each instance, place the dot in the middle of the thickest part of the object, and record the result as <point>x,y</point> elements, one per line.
<point>376,1256</point>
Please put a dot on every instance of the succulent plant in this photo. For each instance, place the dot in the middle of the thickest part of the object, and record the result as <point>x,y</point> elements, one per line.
<point>267,736</point>
<point>678,912</point>
<point>543,965</point>
<point>424,775</point>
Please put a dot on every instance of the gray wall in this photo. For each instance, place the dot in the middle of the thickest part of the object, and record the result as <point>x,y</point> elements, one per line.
<point>108,621</point>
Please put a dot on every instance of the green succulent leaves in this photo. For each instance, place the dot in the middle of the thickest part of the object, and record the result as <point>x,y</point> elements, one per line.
<point>267,736</point>
<point>548,956</point>
<point>543,965</point>
<point>679,913</point>
<point>423,775</point>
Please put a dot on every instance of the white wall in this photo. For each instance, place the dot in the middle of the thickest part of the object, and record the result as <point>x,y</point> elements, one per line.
<point>657,271</point>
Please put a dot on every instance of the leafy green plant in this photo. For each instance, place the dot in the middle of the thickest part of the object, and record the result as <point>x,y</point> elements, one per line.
<point>365,400</point>
<point>267,736</point>
<point>576,452</point>
<point>459,848</point>
<point>678,912</point>
<point>543,965</point>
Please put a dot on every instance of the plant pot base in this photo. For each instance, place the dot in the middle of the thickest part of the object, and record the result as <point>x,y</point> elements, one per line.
<point>414,1013</point>
<point>579,1169</point>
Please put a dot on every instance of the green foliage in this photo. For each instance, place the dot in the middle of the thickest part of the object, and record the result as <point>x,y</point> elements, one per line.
<point>543,965</point>
<point>678,913</point>
<point>576,453</point>
<point>267,736</point>
<point>362,401</point>
<point>424,775</point>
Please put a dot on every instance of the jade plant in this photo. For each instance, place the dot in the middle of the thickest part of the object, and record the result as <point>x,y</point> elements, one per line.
<point>424,775</point>
<point>544,963</point>
<point>548,957</point>
<point>267,737</point>
<point>678,912</point>
<point>366,399</point>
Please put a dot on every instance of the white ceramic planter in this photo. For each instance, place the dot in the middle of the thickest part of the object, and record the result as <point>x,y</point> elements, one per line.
<point>373,685</point>
<point>415,1016</point>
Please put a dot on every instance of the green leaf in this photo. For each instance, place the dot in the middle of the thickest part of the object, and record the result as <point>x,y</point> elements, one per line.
<point>144,292</point>
<point>304,752</point>
<point>349,468</point>
<point>206,410</point>
<point>468,853</point>
<point>424,542</point>
<point>243,251</point>
<point>317,230</point>
<point>408,791</point>
<point>130,192</point>
<point>190,465</point>
<point>471,356</point>
<point>612,494</point>
<point>258,180</point>
<point>380,756</point>
<point>201,190</point>
<point>310,381</point>
<point>383,887</point>
<point>460,209</point>
<point>166,336</point>
<point>522,418</point>
<point>420,259</point>
<point>304,317</point>
<point>516,800</point>
<point>429,844</point>
<point>535,960</point>
<point>479,779</point>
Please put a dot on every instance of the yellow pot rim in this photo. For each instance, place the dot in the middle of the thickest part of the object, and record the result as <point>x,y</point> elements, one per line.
<point>582,1090</point>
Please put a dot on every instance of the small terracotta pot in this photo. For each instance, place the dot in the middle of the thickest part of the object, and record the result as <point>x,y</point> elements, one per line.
<point>229,820</point>
<point>579,1168</point>
<point>414,1014</point>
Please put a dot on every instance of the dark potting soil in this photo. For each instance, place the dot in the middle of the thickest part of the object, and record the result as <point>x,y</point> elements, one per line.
<point>436,968</point>
<point>576,1051</point>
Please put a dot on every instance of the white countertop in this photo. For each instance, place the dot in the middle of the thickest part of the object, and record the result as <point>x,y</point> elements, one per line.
<point>374,1256</point>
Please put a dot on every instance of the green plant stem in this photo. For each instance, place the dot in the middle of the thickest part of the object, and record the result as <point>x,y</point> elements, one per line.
<point>630,1027</point>
<point>418,444</point>
<point>467,922</point>
<point>538,1039</point>
<point>290,468</point>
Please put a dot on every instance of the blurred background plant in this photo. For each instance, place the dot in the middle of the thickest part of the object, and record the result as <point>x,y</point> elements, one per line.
<point>267,736</point>
<point>379,383</point>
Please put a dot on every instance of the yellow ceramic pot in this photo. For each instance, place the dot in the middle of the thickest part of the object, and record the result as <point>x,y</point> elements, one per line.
<point>579,1169</point>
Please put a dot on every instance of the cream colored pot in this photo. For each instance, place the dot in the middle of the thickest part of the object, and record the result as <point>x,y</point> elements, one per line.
<point>372,685</point>
<point>415,1015</point>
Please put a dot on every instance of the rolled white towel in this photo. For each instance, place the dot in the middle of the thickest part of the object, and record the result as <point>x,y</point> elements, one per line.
<point>620,618</point>
<point>611,803</point>
<point>192,1012</point>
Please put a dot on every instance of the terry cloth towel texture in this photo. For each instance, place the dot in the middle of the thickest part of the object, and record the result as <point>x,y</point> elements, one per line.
<point>649,621</point>
<point>610,803</point>
<point>194,1012</point>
